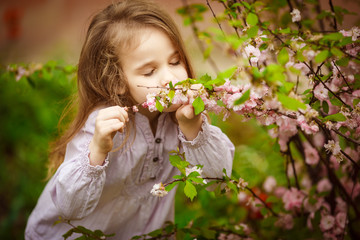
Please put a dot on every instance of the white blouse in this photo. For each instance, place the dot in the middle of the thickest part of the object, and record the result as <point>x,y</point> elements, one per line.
<point>115,197</point>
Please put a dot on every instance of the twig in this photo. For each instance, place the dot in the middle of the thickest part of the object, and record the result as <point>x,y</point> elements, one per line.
<point>333,11</point>
<point>317,76</point>
<point>195,32</point>
<point>288,153</point>
<point>350,159</point>
<point>318,121</point>
<point>226,7</point>
<point>262,201</point>
<point>341,75</point>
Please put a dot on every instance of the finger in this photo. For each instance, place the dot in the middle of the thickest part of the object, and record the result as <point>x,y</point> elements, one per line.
<point>113,112</point>
<point>189,111</point>
<point>185,112</point>
<point>107,127</point>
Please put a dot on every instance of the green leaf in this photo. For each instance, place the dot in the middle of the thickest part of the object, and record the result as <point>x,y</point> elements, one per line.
<point>155,233</point>
<point>283,56</point>
<point>334,101</point>
<point>338,117</point>
<point>290,103</point>
<point>343,62</point>
<point>190,190</point>
<point>228,73</point>
<point>322,56</point>
<point>243,98</point>
<point>337,52</point>
<point>159,106</point>
<point>169,187</point>
<point>272,199</point>
<point>171,94</point>
<point>252,19</point>
<point>193,174</point>
<point>196,179</point>
<point>177,162</point>
<point>333,36</point>
<point>356,101</point>
<point>198,105</point>
<point>232,186</point>
<point>253,31</point>
<point>325,106</point>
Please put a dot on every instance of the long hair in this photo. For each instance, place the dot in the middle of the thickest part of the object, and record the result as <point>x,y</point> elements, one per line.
<point>100,78</point>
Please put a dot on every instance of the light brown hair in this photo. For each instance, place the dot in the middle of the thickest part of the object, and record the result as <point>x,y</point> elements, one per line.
<point>100,77</point>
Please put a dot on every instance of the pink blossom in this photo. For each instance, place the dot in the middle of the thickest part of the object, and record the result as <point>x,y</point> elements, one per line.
<point>311,155</point>
<point>341,205</point>
<point>327,222</point>
<point>285,221</point>
<point>227,87</point>
<point>332,147</point>
<point>293,199</point>
<point>320,92</point>
<point>280,191</point>
<point>310,207</point>
<point>180,98</point>
<point>302,67</point>
<point>295,15</point>
<point>150,102</point>
<point>252,53</point>
<point>324,185</point>
<point>341,219</point>
<point>319,139</point>
<point>354,33</point>
<point>269,184</point>
<point>135,108</point>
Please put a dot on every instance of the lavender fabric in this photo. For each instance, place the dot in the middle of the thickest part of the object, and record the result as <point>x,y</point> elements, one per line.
<point>115,197</point>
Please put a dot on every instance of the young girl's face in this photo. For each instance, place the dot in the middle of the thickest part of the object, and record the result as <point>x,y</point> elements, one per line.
<point>153,63</point>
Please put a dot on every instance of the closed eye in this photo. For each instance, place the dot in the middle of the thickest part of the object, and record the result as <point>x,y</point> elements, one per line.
<point>148,74</point>
<point>174,63</point>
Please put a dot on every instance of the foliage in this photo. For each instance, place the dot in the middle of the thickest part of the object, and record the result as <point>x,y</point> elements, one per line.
<point>31,101</point>
<point>297,76</point>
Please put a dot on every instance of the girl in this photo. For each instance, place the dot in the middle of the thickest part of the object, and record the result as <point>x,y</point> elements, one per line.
<point>128,44</point>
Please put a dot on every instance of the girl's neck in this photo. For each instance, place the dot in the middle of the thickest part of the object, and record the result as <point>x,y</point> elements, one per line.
<point>152,116</point>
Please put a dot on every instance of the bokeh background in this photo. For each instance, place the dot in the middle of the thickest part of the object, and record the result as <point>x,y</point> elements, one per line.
<point>51,32</point>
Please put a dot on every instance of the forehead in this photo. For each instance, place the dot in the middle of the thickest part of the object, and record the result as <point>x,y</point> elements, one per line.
<point>150,44</point>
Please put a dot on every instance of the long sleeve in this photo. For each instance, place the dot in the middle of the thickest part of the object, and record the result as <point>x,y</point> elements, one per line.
<point>211,148</point>
<point>77,186</point>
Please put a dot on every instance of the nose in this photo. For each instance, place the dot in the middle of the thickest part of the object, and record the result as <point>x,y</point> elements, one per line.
<point>167,76</point>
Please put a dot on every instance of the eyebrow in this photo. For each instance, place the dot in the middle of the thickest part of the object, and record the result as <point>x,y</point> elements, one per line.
<point>152,62</point>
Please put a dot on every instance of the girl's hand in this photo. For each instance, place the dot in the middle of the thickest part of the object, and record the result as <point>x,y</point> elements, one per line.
<point>189,123</point>
<point>108,122</point>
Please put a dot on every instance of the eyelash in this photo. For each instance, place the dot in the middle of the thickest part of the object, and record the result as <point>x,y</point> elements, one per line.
<point>153,70</point>
<point>149,73</point>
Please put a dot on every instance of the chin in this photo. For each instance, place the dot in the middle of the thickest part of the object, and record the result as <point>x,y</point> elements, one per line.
<point>172,108</point>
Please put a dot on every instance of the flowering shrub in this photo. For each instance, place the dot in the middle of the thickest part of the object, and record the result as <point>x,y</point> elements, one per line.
<point>297,76</point>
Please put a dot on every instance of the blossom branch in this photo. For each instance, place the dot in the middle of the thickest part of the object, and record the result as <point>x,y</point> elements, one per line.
<point>341,75</point>
<point>226,7</point>
<point>319,79</point>
<point>350,159</point>
<point>334,179</point>
<point>319,122</point>
<point>262,201</point>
